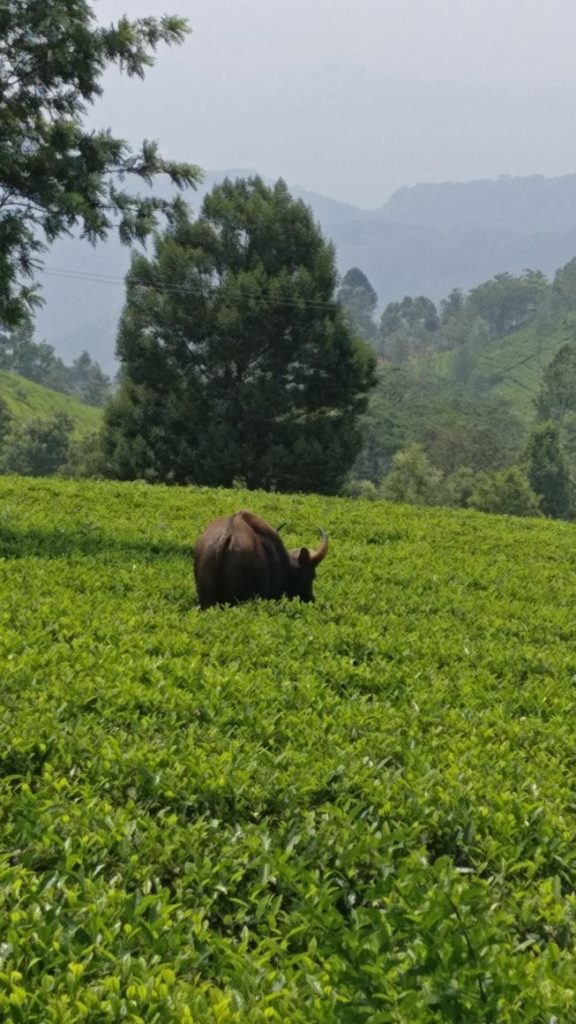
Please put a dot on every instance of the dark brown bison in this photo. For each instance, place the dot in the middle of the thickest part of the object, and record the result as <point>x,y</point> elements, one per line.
<point>242,556</point>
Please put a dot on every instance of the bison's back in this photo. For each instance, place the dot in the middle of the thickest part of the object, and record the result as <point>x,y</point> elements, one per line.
<point>233,563</point>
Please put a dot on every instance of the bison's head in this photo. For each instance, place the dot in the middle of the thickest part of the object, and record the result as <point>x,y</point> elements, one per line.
<point>303,564</point>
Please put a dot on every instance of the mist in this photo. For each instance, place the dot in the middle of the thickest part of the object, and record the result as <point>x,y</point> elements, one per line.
<point>354,101</point>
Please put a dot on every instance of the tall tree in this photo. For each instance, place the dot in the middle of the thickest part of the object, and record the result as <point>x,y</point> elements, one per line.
<point>557,397</point>
<point>55,174</point>
<point>412,480</point>
<point>408,327</point>
<point>548,472</point>
<point>359,299</point>
<point>564,286</point>
<point>236,360</point>
<point>87,381</point>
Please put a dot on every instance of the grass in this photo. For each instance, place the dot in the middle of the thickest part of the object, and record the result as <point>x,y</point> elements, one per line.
<point>27,400</point>
<point>361,810</point>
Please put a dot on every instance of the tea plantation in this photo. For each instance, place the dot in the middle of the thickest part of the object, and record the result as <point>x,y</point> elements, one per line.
<point>26,400</point>
<point>362,810</point>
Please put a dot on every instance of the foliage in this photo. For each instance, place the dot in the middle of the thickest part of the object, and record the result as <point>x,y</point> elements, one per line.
<point>37,361</point>
<point>236,360</point>
<point>508,302</point>
<point>557,397</point>
<point>384,428</point>
<point>412,479</point>
<point>38,447</point>
<point>548,472</point>
<point>467,324</point>
<point>460,485</point>
<point>480,433</point>
<point>55,174</point>
<point>564,286</point>
<point>568,434</point>
<point>506,491</point>
<point>85,457</point>
<point>356,811</point>
<point>87,381</point>
<point>359,299</point>
<point>355,488</point>
<point>407,327</point>
<point>411,406</point>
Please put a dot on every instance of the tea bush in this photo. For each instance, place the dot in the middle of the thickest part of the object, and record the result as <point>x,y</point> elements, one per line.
<point>362,810</point>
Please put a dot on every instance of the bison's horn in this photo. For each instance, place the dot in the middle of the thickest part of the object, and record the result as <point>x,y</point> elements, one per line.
<point>320,553</point>
<point>281,527</point>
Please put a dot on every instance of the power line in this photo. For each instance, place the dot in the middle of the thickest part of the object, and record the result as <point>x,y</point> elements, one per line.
<point>485,362</point>
<point>192,288</point>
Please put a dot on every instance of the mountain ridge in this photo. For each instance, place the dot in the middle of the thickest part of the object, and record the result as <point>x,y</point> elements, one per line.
<point>426,239</point>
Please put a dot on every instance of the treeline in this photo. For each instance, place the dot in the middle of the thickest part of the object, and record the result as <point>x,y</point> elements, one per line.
<point>37,361</point>
<point>444,438</point>
<point>540,484</point>
<point>492,310</point>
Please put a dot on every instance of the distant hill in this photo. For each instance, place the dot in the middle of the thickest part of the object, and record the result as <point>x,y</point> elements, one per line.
<point>27,400</point>
<point>425,240</point>
<point>522,206</point>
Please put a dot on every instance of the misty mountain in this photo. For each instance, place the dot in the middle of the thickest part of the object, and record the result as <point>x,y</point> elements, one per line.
<point>426,239</point>
<point>519,205</point>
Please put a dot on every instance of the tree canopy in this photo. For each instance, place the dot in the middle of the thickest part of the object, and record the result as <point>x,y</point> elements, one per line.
<point>55,174</point>
<point>557,397</point>
<point>359,299</point>
<point>548,472</point>
<point>236,360</point>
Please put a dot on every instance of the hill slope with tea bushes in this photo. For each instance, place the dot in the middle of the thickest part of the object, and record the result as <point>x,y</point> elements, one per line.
<point>25,400</point>
<point>362,810</point>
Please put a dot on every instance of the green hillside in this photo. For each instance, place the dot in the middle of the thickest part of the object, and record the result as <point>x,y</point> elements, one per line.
<point>27,400</point>
<point>361,810</point>
<point>518,361</point>
<point>514,365</point>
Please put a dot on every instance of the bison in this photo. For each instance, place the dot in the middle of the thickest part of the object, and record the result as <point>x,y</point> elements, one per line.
<point>242,556</point>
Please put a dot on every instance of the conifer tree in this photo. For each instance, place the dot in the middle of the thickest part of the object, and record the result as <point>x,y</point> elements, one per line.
<point>359,299</point>
<point>557,397</point>
<point>548,472</point>
<point>236,361</point>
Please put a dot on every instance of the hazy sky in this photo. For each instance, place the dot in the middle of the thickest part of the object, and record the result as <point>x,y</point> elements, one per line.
<point>356,98</point>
